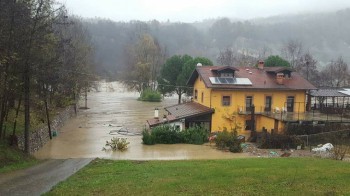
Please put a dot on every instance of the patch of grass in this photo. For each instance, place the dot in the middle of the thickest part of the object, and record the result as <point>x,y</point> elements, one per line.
<point>13,159</point>
<point>279,176</point>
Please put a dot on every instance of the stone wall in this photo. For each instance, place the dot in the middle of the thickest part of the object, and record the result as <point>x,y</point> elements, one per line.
<point>39,137</point>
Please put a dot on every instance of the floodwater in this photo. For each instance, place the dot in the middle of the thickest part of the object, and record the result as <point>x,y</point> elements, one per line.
<point>112,107</point>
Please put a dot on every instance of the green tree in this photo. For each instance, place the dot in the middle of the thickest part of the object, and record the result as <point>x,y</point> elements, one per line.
<point>276,61</point>
<point>42,57</point>
<point>175,73</point>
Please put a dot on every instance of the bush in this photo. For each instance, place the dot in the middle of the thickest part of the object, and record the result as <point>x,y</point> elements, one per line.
<point>340,151</point>
<point>166,134</point>
<point>117,144</point>
<point>195,135</point>
<point>150,95</point>
<point>148,138</point>
<point>228,140</point>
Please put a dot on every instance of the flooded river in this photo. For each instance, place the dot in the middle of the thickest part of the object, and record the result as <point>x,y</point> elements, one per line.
<point>112,107</point>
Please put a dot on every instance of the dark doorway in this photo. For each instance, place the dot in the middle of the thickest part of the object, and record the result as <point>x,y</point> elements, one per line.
<point>290,104</point>
<point>248,103</point>
<point>268,103</point>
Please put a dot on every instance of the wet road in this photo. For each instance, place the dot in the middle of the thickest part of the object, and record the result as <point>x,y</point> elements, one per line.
<point>40,178</point>
<point>111,108</point>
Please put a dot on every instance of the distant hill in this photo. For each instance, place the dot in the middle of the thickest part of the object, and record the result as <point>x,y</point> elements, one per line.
<point>325,35</point>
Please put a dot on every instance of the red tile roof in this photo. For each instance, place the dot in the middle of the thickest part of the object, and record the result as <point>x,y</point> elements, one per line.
<point>260,78</point>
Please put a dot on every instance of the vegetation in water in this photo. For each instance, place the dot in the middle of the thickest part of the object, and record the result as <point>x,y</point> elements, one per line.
<point>116,144</point>
<point>150,95</point>
<point>166,134</point>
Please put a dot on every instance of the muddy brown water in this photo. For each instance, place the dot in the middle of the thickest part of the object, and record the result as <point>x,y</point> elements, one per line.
<point>112,107</point>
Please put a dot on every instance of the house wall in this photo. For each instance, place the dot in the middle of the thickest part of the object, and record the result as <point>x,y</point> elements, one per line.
<point>228,117</point>
<point>201,88</point>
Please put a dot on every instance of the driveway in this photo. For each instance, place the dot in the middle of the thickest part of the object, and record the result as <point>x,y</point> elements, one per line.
<point>40,178</point>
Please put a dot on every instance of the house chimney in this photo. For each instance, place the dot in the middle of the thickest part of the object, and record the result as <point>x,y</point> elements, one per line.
<point>156,113</point>
<point>199,64</point>
<point>279,78</point>
<point>261,65</point>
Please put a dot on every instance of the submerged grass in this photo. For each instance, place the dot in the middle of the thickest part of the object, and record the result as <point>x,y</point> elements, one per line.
<point>279,176</point>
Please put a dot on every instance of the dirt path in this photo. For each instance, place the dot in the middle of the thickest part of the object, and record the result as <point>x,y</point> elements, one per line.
<point>40,178</point>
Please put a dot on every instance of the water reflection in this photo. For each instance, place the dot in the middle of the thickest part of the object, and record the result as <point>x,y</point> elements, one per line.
<point>110,108</point>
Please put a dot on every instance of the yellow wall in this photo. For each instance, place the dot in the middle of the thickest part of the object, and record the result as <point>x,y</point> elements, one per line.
<point>213,98</point>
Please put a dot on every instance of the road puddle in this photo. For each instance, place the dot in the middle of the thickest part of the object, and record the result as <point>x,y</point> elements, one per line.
<point>111,108</point>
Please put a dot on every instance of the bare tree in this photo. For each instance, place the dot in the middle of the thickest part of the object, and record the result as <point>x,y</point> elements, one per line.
<point>227,57</point>
<point>307,67</point>
<point>144,60</point>
<point>335,74</point>
<point>292,51</point>
<point>264,52</point>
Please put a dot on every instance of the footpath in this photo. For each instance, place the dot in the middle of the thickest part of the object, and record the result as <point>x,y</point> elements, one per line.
<point>40,178</point>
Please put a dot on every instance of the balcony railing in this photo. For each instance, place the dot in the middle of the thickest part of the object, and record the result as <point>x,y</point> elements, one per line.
<point>299,112</point>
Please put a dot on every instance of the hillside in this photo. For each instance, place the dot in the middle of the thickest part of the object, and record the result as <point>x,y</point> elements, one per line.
<point>324,35</point>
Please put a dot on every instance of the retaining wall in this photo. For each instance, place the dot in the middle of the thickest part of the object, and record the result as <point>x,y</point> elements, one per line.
<point>39,137</point>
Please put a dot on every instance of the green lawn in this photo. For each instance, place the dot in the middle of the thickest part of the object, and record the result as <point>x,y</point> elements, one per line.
<point>265,176</point>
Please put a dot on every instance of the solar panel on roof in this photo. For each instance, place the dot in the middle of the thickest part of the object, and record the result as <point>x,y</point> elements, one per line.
<point>229,80</point>
<point>222,80</point>
<point>217,81</point>
<point>243,81</point>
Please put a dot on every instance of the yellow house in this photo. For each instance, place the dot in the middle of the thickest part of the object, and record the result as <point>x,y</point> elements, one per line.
<point>249,98</point>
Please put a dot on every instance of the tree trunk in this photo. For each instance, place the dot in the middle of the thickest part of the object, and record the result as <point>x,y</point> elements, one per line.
<point>75,103</point>
<point>26,109</point>
<point>86,98</point>
<point>179,94</point>
<point>27,81</point>
<point>17,112</point>
<point>48,118</point>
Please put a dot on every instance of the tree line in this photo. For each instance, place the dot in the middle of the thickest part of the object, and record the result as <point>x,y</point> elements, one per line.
<point>293,54</point>
<point>323,35</point>
<point>45,63</point>
<point>149,69</point>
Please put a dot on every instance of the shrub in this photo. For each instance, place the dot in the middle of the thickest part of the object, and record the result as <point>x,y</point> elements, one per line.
<point>228,140</point>
<point>166,134</point>
<point>195,135</point>
<point>150,95</point>
<point>117,144</point>
<point>148,138</point>
<point>340,151</point>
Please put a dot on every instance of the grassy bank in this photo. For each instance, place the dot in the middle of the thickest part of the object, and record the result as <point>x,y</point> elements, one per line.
<point>279,176</point>
<point>14,159</point>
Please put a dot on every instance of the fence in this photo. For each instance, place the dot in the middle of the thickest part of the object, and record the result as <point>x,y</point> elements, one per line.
<point>334,137</point>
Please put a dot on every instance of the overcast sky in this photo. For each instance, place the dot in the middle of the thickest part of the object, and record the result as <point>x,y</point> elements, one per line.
<point>196,10</point>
